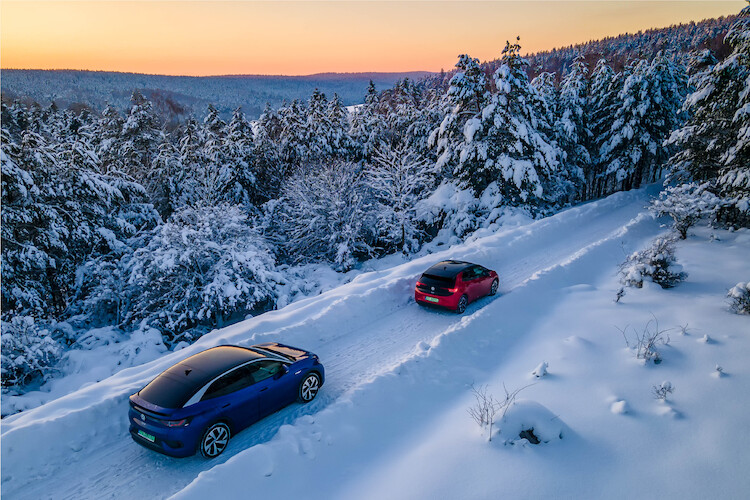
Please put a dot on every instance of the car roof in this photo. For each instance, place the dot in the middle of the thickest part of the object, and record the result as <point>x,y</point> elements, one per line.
<point>448,268</point>
<point>175,385</point>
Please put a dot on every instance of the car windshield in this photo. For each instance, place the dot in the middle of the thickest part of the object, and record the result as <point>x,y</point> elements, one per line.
<point>432,280</point>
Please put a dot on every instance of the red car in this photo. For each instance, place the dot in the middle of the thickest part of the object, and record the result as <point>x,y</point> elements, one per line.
<point>454,284</point>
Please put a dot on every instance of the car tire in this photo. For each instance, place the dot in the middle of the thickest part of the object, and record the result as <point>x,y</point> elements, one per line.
<point>309,387</point>
<point>462,303</point>
<point>493,287</point>
<point>215,440</point>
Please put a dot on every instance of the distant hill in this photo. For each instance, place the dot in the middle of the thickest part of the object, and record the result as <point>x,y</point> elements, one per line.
<point>177,96</point>
<point>679,39</point>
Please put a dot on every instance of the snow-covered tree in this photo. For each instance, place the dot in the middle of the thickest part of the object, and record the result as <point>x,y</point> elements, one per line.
<point>339,137</point>
<point>240,161</point>
<point>366,123</point>
<point>28,351</point>
<point>734,181</point>
<point>466,97</point>
<point>657,263</point>
<point>713,144</point>
<point>571,125</point>
<point>294,135</point>
<point>650,101</point>
<point>399,179</point>
<point>544,84</point>
<point>686,204</point>
<point>604,88</point>
<point>59,208</point>
<point>509,141</point>
<point>139,139</point>
<point>203,267</point>
<point>323,214</point>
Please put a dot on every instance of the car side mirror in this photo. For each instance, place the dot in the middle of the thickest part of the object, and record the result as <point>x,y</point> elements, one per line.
<point>282,371</point>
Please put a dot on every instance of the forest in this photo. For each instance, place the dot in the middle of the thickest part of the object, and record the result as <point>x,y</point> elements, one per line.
<point>114,219</point>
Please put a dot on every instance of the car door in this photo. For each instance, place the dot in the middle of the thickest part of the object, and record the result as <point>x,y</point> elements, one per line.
<point>484,281</point>
<point>470,281</point>
<point>235,397</point>
<point>275,386</point>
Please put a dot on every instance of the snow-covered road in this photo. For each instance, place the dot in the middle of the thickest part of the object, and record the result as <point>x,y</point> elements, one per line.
<point>78,446</point>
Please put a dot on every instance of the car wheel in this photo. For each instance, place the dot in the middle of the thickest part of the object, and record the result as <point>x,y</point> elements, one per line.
<point>309,387</point>
<point>462,303</point>
<point>215,440</point>
<point>493,288</point>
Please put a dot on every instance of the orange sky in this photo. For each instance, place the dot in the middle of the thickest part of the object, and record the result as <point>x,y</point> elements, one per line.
<point>297,38</point>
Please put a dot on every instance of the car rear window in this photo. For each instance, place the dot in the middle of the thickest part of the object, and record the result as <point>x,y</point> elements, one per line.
<point>167,392</point>
<point>432,280</point>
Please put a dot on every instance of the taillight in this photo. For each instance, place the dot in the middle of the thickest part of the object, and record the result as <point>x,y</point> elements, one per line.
<point>176,423</point>
<point>420,283</point>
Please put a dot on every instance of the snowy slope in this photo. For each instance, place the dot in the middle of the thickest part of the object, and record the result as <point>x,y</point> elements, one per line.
<point>397,380</point>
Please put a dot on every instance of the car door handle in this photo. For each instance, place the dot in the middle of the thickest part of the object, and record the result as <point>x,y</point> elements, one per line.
<point>226,405</point>
<point>263,389</point>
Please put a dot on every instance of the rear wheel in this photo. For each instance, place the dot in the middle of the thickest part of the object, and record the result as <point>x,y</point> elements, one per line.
<point>215,440</point>
<point>493,288</point>
<point>462,303</point>
<point>309,387</point>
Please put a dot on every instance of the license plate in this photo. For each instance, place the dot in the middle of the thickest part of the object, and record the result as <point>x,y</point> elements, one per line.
<point>146,435</point>
<point>432,299</point>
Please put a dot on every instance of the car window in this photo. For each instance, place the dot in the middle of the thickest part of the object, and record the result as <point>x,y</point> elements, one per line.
<point>482,271</point>
<point>267,368</point>
<point>229,383</point>
<point>469,274</point>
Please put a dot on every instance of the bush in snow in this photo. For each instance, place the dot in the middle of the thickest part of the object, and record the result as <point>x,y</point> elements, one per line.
<point>204,266</point>
<point>686,204</point>
<point>656,262</point>
<point>487,407</point>
<point>662,390</point>
<point>740,297</point>
<point>28,352</point>
<point>644,343</point>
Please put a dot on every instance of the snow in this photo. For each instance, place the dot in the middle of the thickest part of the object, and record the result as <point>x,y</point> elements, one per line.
<point>392,422</point>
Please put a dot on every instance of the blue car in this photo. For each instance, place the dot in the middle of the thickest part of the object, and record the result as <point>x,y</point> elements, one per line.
<point>199,403</point>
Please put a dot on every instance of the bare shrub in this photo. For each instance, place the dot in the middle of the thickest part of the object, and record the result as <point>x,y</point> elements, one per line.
<point>656,262</point>
<point>487,407</point>
<point>646,341</point>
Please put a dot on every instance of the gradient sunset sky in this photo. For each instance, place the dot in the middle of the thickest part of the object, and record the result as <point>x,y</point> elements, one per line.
<point>305,37</point>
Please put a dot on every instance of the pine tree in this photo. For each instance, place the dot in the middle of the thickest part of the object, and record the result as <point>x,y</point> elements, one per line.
<point>713,144</point>
<point>366,124</point>
<point>139,138</point>
<point>603,104</point>
<point>466,97</point>
<point>508,142</point>
<point>572,127</point>
<point>238,146</point>
<point>734,181</point>
<point>544,84</point>
<point>651,98</point>
<point>213,173</point>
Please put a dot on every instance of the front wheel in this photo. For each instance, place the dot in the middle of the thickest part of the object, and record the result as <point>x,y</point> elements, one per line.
<point>309,387</point>
<point>493,288</point>
<point>462,303</point>
<point>215,440</point>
